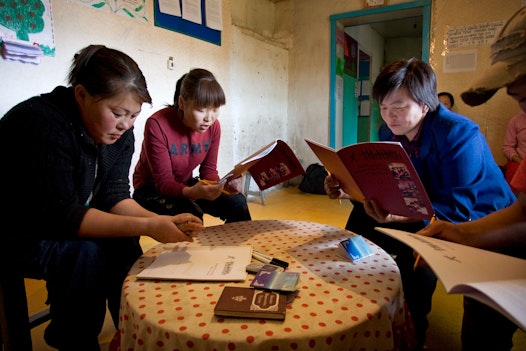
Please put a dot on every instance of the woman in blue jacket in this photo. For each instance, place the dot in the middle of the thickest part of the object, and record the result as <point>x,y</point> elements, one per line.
<point>453,161</point>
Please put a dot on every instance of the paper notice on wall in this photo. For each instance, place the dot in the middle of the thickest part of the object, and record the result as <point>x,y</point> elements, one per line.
<point>460,61</point>
<point>213,14</point>
<point>192,11</point>
<point>170,7</point>
<point>472,34</point>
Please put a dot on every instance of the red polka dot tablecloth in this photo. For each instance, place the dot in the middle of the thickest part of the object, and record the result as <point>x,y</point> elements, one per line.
<point>340,305</point>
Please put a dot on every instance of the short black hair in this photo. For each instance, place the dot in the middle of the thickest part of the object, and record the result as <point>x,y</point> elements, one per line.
<point>414,75</point>
<point>449,95</point>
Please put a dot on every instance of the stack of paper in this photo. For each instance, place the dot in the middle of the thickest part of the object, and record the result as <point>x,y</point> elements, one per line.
<point>205,263</point>
<point>23,51</point>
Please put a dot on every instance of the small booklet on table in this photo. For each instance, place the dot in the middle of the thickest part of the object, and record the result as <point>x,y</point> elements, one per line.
<point>275,280</point>
<point>204,263</point>
<point>492,278</point>
<point>380,171</point>
<point>273,164</point>
<point>251,303</point>
<point>356,248</point>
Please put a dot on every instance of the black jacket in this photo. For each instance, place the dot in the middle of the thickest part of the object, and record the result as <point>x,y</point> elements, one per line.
<point>49,169</point>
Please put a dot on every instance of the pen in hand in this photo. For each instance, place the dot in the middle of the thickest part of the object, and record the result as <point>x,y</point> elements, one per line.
<point>418,257</point>
<point>204,181</point>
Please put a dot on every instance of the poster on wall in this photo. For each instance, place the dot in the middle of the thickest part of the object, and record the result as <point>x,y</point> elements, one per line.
<point>351,56</point>
<point>200,19</point>
<point>28,23</point>
<point>472,35</point>
<point>134,9</point>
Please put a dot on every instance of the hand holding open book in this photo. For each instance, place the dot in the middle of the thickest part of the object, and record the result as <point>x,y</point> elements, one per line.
<point>273,164</point>
<point>492,278</point>
<point>380,171</point>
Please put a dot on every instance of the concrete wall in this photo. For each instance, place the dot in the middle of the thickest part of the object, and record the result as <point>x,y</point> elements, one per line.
<point>252,68</point>
<point>309,67</point>
<point>494,115</point>
<point>273,64</point>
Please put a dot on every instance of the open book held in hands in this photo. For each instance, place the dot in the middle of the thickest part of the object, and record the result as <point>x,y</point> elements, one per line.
<point>273,164</point>
<point>494,279</point>
<point>380,171</point>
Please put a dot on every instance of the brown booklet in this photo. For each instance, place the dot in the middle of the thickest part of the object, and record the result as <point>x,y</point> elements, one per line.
<point>273,164</point>
<point>246,302</point>
<point>380,171</point>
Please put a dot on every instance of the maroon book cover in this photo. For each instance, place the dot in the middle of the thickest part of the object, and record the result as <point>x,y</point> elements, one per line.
<point>380,171</point>
<point>251,303</point>
<point>271,165</point>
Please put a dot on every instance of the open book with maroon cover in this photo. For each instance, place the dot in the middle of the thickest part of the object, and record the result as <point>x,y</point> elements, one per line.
<point>273,164</point>
<point>380,171</point>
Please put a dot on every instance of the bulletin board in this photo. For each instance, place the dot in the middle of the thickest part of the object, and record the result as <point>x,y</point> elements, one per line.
<point>178,24</point>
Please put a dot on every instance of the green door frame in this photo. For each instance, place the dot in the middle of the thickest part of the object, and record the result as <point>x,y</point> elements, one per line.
<point>337,62</point>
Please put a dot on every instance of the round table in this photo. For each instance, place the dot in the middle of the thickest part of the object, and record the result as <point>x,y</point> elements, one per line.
<point>340,305</point>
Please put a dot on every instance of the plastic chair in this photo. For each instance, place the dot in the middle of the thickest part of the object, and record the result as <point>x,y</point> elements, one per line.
<point>15,321</point>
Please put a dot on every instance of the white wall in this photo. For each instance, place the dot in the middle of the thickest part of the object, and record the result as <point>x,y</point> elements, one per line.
<point>253,72</point>
<point>310,67</point>
<point>492,116</point>
<point>273,64</point>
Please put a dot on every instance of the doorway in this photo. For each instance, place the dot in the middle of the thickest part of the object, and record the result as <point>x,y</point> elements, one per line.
<point>354,116</point>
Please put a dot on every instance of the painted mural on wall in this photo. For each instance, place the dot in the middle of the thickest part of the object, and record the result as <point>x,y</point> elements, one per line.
<point>135,9</point>
<point>28,21</point>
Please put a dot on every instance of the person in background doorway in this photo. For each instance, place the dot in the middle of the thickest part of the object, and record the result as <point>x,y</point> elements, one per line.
<point>514,147</point>
<point>446,99</point>
<point>65,194</point>
<point>505,230</point>
<point>453,161</point>
<point>180,138</point>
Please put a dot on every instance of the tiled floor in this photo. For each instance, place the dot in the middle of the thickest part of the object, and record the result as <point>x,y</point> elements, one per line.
<point>290,203</point>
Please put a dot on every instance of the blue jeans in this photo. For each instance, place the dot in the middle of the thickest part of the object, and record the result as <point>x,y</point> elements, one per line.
<point>82,278</point>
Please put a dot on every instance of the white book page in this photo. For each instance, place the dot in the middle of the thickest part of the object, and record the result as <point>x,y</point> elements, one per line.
<point>492,278</point>
<point>510,294</point>
<point>204,263</point>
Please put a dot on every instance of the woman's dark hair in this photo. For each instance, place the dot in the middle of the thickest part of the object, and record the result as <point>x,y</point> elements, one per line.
<point>449,95</point>
<point>201,87</point>
<point>416,76</point>
<point>106,72</point>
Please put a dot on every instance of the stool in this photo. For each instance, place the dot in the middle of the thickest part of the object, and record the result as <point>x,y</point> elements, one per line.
<point>15,321</point>
<point>247,192</point>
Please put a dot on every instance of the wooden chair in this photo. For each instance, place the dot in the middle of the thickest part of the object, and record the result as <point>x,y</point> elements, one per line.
<point>15,321</point>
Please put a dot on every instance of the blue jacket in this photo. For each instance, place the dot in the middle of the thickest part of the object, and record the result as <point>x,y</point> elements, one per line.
<point>457,168</point>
